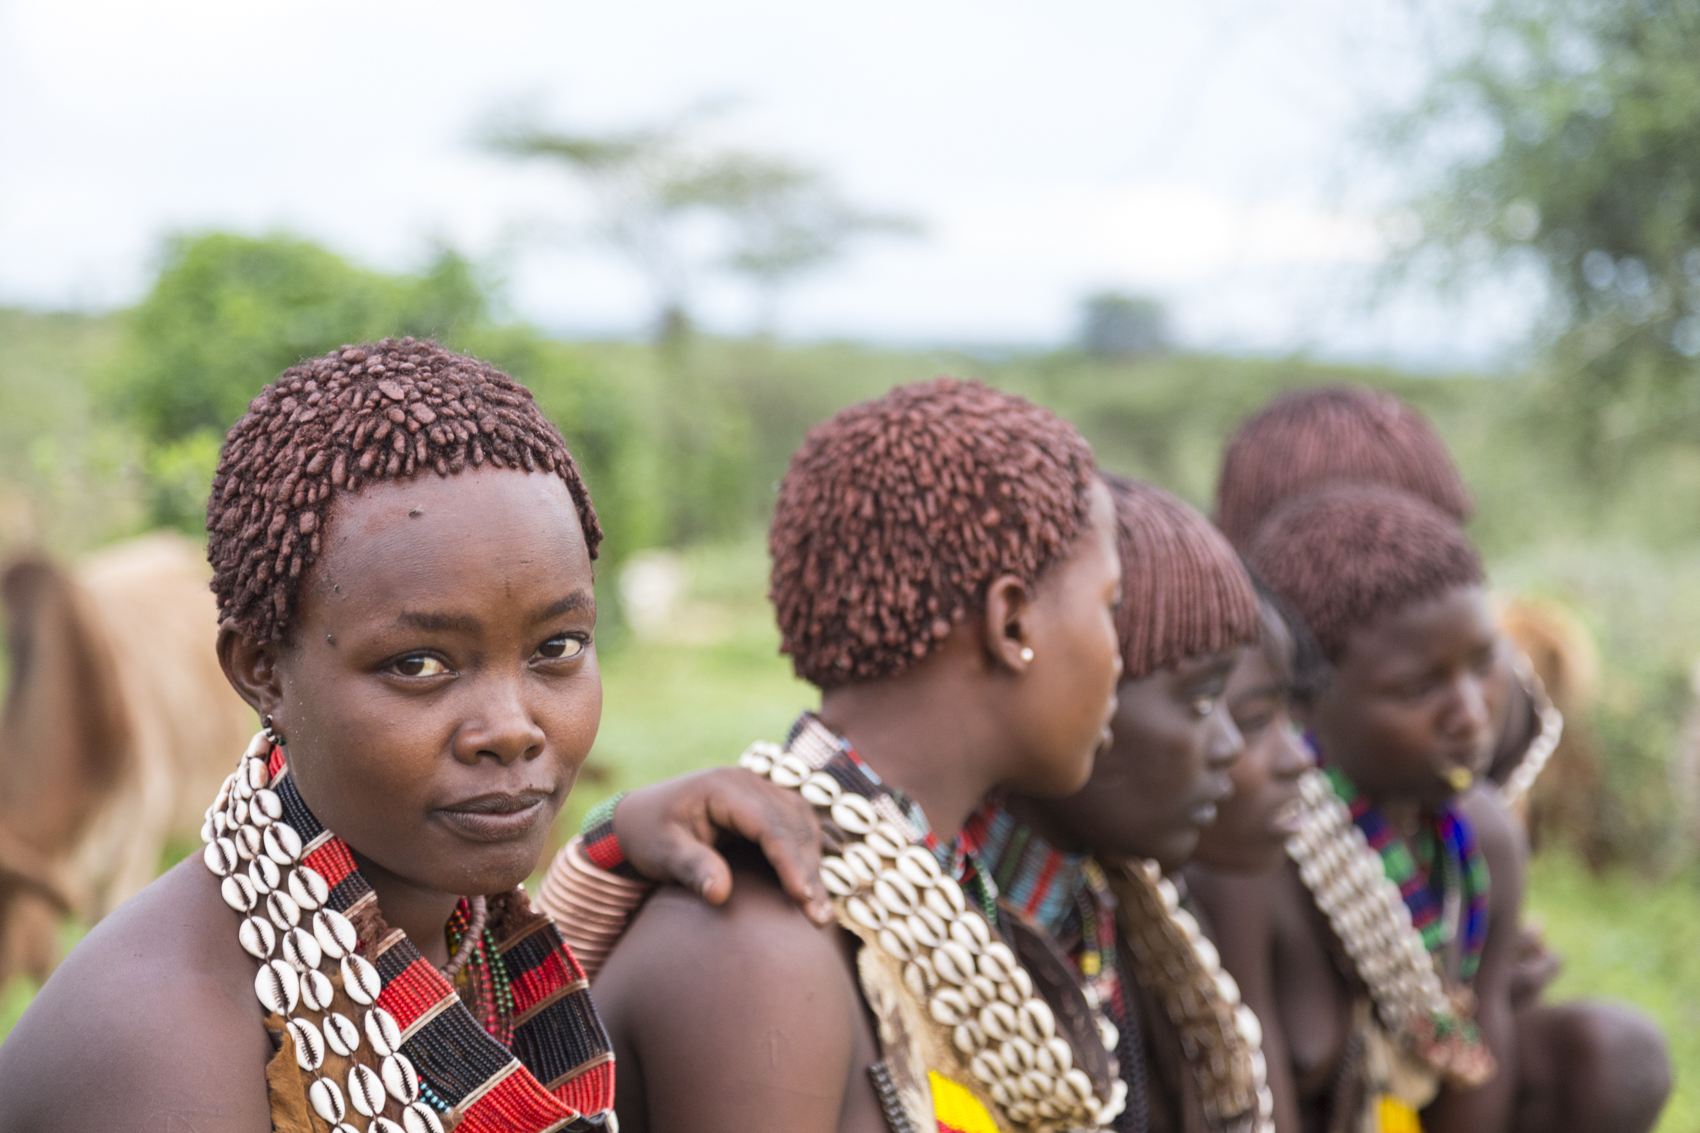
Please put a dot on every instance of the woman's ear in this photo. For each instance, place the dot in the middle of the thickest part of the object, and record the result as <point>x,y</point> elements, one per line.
<point>251,669</point>
<point>1006,626</point>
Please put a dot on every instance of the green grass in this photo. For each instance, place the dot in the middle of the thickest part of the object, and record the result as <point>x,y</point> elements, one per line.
<point>1633,940</point>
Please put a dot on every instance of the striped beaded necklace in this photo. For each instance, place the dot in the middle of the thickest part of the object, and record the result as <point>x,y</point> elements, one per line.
<point>419,1062</point>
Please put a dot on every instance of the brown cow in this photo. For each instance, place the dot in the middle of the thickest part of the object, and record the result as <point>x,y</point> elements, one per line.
<point>117,730</point>
<point>1564,802</point>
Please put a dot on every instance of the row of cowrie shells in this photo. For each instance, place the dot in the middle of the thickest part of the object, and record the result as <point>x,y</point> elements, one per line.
<point>245,825</point>
<point>971,983</point>
<point>1207,961</point>
<point>1364,908</point>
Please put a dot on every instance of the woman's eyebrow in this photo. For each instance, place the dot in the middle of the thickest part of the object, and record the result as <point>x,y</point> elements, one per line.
<point>438,622</point>
<point>577,600</point>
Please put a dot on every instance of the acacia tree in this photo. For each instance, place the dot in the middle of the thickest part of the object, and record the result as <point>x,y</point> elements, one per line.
<point>1569,132</point>
<point>786,222</point>
<point>777,220</point>
<point>640,181</point>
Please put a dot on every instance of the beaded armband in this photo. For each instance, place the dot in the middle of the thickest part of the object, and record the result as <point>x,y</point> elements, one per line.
<point>1369,916</point>
<point>1177,962</point>
<point>601,845</point>
<point>1535,758</point>
<point>969,1000</point>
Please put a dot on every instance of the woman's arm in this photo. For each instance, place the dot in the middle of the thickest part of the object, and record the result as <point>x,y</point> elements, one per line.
<point>150,1023</point>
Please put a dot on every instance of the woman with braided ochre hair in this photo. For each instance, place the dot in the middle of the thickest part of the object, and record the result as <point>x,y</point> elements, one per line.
<point>1393,930</point>
<point>1187,607</point>
<point>944,571</point>
<point>1090,869</point>
<point>1313,438</point>
<point>401,548</point>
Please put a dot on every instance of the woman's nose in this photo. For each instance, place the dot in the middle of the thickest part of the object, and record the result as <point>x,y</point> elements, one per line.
<point>502,727</point>
<point>1470,711</point>
<point>1225,743</point>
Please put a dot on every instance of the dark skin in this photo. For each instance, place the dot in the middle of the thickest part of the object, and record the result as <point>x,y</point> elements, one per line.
<point>1164,775</point>
<point>747,1017</point>
<point>1159,784</point>
<point>438,694</point>
<point>1230,868</point>
<point>1413,702</point>
<point>1252,824</point>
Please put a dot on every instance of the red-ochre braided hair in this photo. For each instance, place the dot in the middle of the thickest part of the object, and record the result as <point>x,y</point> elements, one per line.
<point>1311,438</point>
<point>385,411</point>
<point>1184,592</point>
<point>1345,556</point>
<point>897,513</point>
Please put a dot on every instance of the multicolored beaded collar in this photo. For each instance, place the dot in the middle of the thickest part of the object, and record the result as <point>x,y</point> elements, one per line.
<point>1440,872</point>
<point>300,894</point>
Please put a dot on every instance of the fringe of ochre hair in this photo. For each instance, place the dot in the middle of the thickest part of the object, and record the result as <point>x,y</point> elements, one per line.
<point>1184,591</point>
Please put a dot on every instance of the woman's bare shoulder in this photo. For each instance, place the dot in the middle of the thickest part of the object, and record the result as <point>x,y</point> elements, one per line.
<point>741,1016</point>
<point>150,1022</point>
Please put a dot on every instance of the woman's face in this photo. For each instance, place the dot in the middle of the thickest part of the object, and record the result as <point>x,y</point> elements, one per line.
<point>1411,710</point>
<point>440,688</point>
<point>1253,824</point>
<point>1166,770</point>
<point>1062,705</point>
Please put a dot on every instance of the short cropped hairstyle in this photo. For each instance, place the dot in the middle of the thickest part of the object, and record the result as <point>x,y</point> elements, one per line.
<point>1311,438</point>
<point>389,410</point>
<point>897,513</point>
<point>1184,592</point>
<point>1344,556</point>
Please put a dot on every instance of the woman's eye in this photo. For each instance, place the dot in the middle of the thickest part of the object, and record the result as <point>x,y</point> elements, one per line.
<point>420,665</point>
<point>562,648</point>
<point>1252,725</point>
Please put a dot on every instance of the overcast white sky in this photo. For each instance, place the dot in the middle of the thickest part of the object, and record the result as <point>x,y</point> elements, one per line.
<point>1204,152</point>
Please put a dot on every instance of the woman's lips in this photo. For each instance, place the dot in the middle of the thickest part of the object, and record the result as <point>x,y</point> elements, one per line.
<point>1204,814</point>
<point>1288,819</point>
<point>496,817</point>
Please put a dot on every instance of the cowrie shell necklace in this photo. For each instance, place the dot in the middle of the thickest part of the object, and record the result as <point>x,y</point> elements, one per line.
<point>892,891</point>
<point>1367,912</point>
<point>1222,1036</point>
<point>288,927</point>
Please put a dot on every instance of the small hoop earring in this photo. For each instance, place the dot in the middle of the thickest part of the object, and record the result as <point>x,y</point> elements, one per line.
<point>270,730</point>
<point>1027,653</point>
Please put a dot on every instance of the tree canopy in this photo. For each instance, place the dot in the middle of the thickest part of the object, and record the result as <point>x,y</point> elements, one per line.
<point>1569,132</point>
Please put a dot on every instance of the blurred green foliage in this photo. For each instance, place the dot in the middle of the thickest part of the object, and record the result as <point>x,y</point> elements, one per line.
<point>228,313</point>
<point>1567,133</point>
